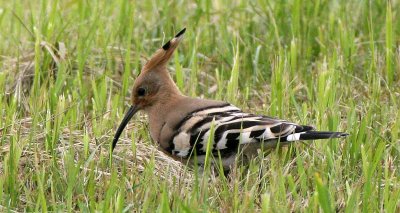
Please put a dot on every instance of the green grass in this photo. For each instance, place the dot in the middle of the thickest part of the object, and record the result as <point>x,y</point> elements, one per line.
<point>66,69</point>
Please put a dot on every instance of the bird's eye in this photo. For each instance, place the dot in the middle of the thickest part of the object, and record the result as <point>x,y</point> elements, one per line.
<point>141,91</point>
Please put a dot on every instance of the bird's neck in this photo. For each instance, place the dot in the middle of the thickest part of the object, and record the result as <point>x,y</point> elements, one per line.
<point>157,114</point>
<point>168,96</point>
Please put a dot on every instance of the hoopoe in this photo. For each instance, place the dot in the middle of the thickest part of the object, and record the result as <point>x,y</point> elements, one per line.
<point>181,125</point>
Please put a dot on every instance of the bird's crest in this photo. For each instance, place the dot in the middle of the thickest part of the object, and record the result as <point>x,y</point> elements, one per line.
<point>162,56</point>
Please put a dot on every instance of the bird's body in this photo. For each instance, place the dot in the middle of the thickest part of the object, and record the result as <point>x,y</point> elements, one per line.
<point>165,121</point>
<point>182,125</point>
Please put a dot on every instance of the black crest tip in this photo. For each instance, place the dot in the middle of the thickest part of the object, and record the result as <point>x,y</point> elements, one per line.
<point>181,32</point>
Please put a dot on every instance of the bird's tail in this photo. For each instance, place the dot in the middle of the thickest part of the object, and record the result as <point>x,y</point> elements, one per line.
<point>308,133</point>
<point>313,135</point>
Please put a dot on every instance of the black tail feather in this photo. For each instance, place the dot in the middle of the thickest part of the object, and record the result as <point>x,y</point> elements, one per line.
<point>313,135</point>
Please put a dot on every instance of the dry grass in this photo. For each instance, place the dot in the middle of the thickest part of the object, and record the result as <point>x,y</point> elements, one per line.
<point>66,69</point>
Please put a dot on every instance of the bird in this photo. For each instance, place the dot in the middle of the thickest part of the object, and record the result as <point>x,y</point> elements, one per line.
<point>182,125</point>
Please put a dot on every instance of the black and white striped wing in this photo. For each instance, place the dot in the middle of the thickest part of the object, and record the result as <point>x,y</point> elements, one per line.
<point>232,127</point>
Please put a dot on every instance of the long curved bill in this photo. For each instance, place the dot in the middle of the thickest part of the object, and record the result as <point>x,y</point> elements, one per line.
<point>132,110</point>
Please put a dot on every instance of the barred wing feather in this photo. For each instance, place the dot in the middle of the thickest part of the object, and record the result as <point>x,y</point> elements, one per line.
<point>234,127</point>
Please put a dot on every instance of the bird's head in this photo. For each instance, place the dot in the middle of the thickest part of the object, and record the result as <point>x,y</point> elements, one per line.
<point>153,84</point>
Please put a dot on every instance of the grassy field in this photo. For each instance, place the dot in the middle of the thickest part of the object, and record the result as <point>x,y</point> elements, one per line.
<point>66,69</point>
